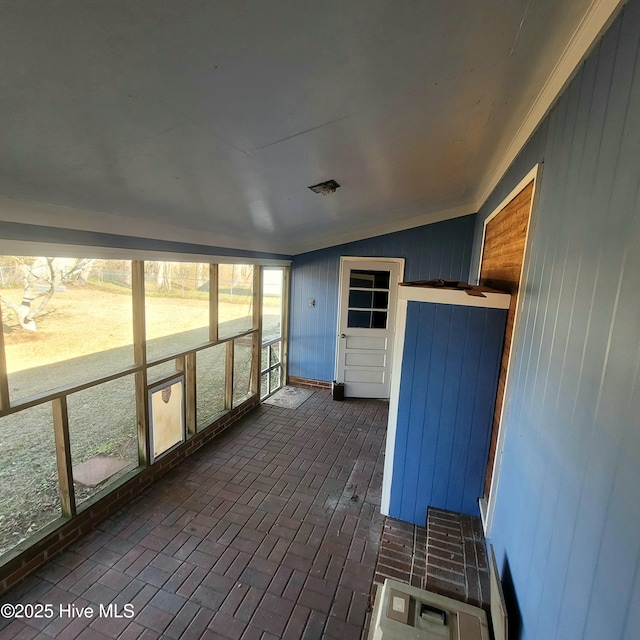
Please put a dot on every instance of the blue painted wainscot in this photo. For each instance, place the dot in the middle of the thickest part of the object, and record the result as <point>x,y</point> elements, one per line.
<point>441,405</point>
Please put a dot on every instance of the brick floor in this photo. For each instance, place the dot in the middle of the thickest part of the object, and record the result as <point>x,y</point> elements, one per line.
<point>272,531</point>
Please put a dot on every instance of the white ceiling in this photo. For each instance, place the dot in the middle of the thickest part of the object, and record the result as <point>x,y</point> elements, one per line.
<point>206,121</point>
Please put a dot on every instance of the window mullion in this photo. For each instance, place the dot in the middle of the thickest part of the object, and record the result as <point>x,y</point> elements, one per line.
<point>5,401</point>
<point>213,302</point>
<point>228,389</point>
<point>63,456</point>
<point>257,324</point>
<point>140,357</point>
<point>190,392</point>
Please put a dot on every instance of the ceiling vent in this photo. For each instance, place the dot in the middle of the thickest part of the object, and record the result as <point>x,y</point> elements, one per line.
<point>325,188</point>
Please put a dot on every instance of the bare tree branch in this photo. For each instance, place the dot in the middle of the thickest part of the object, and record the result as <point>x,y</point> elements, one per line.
<point>47,273</point>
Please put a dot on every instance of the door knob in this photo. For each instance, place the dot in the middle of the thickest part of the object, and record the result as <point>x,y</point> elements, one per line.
<point>342,335</point>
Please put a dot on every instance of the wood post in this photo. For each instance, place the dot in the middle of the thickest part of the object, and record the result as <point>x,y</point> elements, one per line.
<point>257,324</point>
<point>63,456</point>
<point>213,302</point>
<point>190,393</point>
<point>228,378</point>
<point>5,401</point>
<point>140,356</point>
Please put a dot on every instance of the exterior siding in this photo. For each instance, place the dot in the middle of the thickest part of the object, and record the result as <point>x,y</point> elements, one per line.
<point>567,521</point>
<point>441,250</point>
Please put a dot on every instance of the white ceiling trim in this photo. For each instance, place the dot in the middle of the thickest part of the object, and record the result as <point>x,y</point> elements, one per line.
<point>596,20</point>
<point>389,227</point>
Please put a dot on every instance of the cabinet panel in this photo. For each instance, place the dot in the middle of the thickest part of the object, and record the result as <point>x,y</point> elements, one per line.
<point>447,392</point>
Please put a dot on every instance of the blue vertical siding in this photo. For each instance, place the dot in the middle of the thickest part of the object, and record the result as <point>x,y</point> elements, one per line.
<point>441,250</point>
<point>567,521</point>
<point>450,366</point>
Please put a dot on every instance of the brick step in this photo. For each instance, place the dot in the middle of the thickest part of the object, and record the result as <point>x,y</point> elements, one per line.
<point>456,564</point>
<point>448,557</point>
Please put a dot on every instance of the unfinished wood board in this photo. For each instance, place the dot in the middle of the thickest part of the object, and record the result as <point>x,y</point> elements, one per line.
<point>501,268</point>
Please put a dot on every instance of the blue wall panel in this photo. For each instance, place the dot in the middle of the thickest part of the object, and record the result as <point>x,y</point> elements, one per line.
<point>450,366</point>
<point>441,250</point>
<point>37,233</point>
<point>567,521</point>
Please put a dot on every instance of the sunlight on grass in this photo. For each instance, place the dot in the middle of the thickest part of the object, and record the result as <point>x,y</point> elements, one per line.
<point>29,496</point>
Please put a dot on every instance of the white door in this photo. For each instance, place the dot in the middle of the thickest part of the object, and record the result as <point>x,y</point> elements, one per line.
<point>366,317</point>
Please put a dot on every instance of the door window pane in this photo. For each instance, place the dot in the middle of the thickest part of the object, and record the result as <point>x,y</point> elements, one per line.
<point>359,320</point>
<point>275,379</point>
<point>368,299</point>
<point>381,300</point>
<point>369,279</point>
<point>360,299</point>
<point>379,320</point>
<point>271,368</point>
<point>367,319</point>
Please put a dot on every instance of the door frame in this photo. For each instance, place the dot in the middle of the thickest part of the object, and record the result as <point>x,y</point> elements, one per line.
<point>344,261</point>
<point>488,503</point>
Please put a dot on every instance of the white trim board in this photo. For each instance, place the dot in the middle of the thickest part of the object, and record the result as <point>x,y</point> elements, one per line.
<point>394,398</point>
<point>454,296</point>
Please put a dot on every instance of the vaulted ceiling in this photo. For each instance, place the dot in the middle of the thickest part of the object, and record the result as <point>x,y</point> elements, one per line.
<point>206,121</point>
